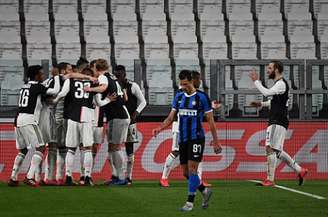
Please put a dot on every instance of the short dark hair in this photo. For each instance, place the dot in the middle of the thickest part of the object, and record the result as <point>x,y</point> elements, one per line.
<point>32,71</point>
<point>87,71</point>
<point>185,74</point>
<point>102,65</point>
<point>119,68</point>
<point>278,65</point>
<point>92,63</point>
<point>62,66</point>
<point>82,63</point>
<point>195,74</point>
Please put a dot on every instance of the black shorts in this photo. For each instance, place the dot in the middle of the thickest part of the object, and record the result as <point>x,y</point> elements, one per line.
<point>191,150</point>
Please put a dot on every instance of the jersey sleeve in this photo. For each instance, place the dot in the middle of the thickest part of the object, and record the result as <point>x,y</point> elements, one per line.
<point>205,100</point>
<point>41,89</point>
<point>175,103</point>
<point>278,88</point>
<point>102,79</point>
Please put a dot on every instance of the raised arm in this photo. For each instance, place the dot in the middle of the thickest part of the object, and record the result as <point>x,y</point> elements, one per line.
<point>56,88</point>
<point>63,92</point>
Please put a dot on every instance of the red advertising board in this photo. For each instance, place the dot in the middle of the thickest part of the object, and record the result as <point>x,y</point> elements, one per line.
<point>243,155</point>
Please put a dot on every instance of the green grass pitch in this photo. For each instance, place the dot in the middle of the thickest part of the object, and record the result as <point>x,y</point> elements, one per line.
<point>148,199</point>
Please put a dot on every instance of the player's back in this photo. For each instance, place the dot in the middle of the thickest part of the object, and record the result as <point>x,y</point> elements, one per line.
<point>79,101</point>
<point>29,103</point>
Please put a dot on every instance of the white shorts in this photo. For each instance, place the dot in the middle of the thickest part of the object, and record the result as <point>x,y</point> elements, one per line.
<point>47,125</point>
<point>175,136</point>
<point>118,131</point>
<point>79,133</point>
<point>27,136</point>
<point>275,136</point>
<point>98,135</point>
<point>132,134</point>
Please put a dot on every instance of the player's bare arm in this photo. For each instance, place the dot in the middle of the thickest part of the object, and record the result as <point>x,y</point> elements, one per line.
<point>215,142</point>
<point>167,122</point>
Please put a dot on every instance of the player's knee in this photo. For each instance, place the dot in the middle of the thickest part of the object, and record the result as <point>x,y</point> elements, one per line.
<point>72,150</point>
<point>175,153</point>
<point>41,148</point>
<point>268,150</point>
<point>129,148</point>
<point>87,148</point>
<point>23,151</point>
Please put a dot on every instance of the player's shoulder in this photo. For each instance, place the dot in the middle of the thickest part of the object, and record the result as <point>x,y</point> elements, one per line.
<point>201,93</point>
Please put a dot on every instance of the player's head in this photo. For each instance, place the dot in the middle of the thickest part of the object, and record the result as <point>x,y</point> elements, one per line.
<point>93,65</point>
<point>186,82</point>
<point>101,66</point>
<point>54,70</point>
<point>87,71</point>
<point>64,68</point>
<point>74,69</point>
<point>120,73</point>
<point>35,73</point>
<point>275,68</point>
<point>196,78</point>
<point>82,63</point>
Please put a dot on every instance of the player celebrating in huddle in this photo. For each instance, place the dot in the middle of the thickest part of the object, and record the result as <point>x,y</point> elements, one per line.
<point>278,121</point>
<point>192,105</point>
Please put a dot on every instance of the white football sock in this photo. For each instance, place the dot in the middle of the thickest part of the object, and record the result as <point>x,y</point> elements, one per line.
<point>129,166</point>
<point>69,162</point>
<point>111,163</point>
<point>35,164</point>
<point>87,162</point>
<point>271,166</point>
<point>200,171</point>
<point>118,161</point>
<point>61,156</point>
<point>17,164</point>
<point>82,158</point>
<point>289,161</point>
<point>168,166</point>
<point>50,164</point>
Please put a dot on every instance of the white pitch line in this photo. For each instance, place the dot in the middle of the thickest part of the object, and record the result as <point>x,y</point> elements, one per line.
<point>293,190</point>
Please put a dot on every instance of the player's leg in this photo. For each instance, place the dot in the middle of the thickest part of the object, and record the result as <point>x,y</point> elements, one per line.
<point>285,157</point>
<point>72,142</point>
<point>200,174</point>
<point>171,158</point>
<point>22,151</point>
<point>98,139</point>
<point>132,137</point>
<point>86,131</point>
<point>110,154</point>
<point>82,169</point>
<point>61,130</point>
<point>34,136</point>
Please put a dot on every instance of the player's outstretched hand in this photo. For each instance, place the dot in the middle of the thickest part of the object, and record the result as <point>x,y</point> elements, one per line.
<point>112,97</point>
<point>87,89</point>
<point>216,147</point>
<point>256,104</point>
<point>253,75</point>
<point>156,131</point>
<point>93,79</point>
<point>216,105</point>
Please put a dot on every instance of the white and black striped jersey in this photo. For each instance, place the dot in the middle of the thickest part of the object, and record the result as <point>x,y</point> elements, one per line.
<point>79,106</point>
<point>115,109</point>
<point>29,103</point>
<point>278,105</point>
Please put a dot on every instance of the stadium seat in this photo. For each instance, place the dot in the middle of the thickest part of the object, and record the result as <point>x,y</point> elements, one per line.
<point>185,51</point>
<point>215,51</point>
<point>244,50</point>
<point>239,10</point>
<point>127,51</point>
<point>38,51</point>
<point>37,32</point>
<point>271,31</point>
<point>324,50</point>
<point>323,30</point>
<point>212,31</point>
<point>94,10</point>
<point>300,31</point>
<point>10,87</point>
<point>154,31</point>
<point>71,51</point>
<point>156,51</point>
<point>268,10</point>
<point>125,31</point>
<point>129,67</point>
<point>10,32</point>
<point>152,10</point>
<point>36,10</point>
<point>297,10</point>
<point>190,64</point>
<point>181,10</point>
<point>320,9</point>
<point>96,31</point>
<point>303,50</point>
<point>11,51</point>
<point>241,31</point>
<point>65,10</point>
<point>8,66</point>
<point>9,10</point>
<point>210,10</point>
<point>183,31</point>
<point>96,50</point>
<point>67,32</point>
<point>123,10</point>
<point>274,50</point>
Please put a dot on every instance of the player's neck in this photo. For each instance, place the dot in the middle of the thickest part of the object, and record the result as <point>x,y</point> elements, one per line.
<point>278,77</point>
<point>191,91</point>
